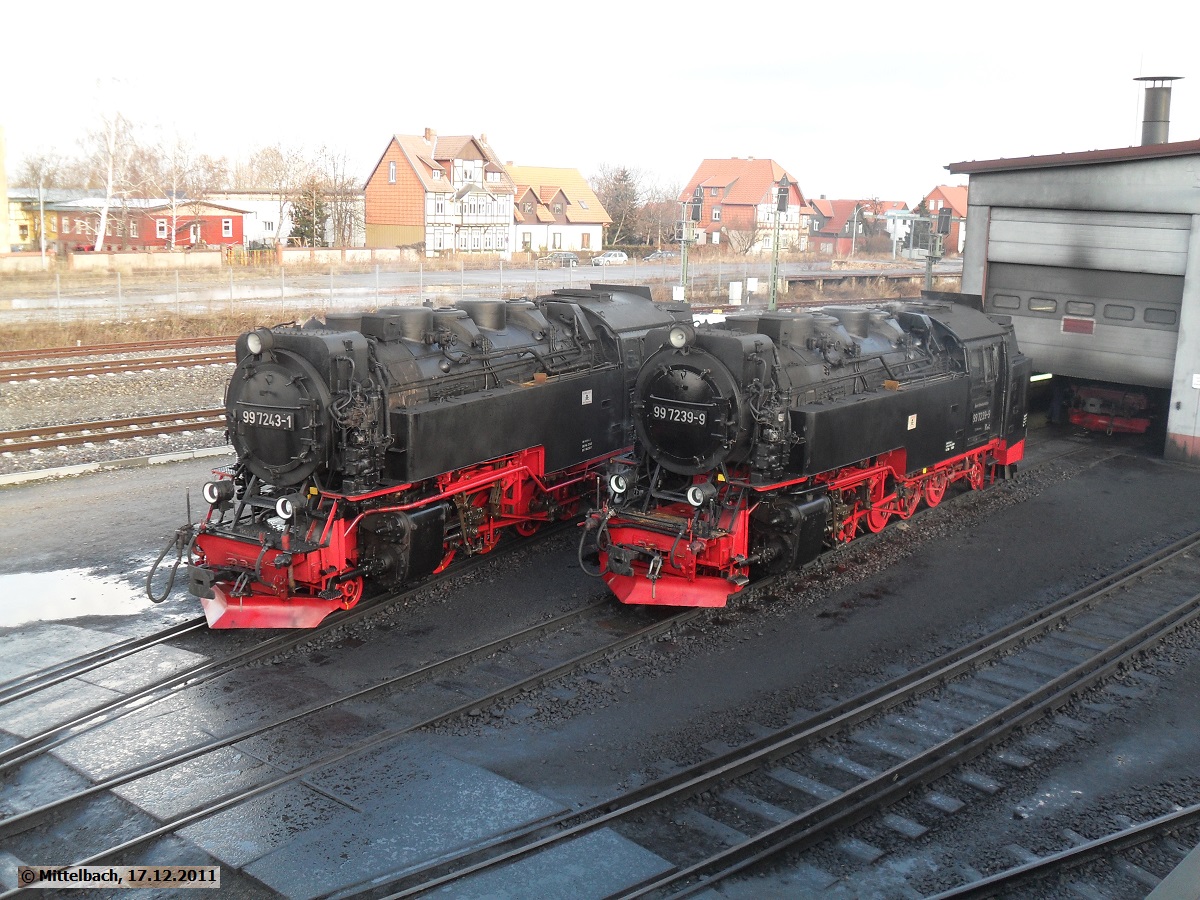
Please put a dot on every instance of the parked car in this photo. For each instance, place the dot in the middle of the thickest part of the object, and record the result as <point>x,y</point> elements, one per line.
<point>562,258</point>
<point>610,258</point>
<point>660,255</point>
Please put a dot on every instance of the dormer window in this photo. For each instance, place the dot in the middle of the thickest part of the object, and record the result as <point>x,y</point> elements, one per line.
<point>437,174</point>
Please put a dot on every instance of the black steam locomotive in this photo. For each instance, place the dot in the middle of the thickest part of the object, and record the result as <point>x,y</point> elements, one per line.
<point>767,438</point>
<point>376,447</point>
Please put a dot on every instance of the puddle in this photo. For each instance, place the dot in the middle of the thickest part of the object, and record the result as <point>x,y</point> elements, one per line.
<point>67,594</point>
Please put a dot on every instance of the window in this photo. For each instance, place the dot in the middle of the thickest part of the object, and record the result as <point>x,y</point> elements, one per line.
<point>583,204</point>
<point>160,228</point>
<point>438,241</point>
<point>1118,311</point>
<point>227,228</point>
<point>268,227</point>
<point>585,241</point>
<point>527,206</point>
<point>716,214</point>
<point>437,174</point>
<point>392,172</point>
<point>712,192</point>
<point>526,240</point>
<point>558,209</point>
<point>24,232</point>
<point>1006,301</point>
<point>493,176</point>
<point>1080,308</point>
<point>487,241</point>
<point>133,229</point>
<point>439,206</point>
<point>474,242</point>
<point>1159,316</point>
<point>556,240</point>
<point>1042,304</point>
<point>195,233</point>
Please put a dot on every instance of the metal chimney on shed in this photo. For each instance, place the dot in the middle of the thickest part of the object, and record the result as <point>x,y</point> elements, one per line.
<point>1156,117</point>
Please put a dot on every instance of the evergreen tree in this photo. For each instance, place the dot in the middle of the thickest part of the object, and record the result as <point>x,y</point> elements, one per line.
<point>310,213</point>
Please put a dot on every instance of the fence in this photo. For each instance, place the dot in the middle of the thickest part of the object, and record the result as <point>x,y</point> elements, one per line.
<point>124,295</point>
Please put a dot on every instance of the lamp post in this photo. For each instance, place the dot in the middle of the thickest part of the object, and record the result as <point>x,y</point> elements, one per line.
<point>781,205</point>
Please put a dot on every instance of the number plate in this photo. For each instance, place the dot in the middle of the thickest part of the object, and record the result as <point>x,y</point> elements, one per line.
<point>283,419</point>
<point>661,412</point>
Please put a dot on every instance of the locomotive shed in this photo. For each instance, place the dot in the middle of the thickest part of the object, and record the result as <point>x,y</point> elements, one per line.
<point>1096,256</point>
<point>883,605</point>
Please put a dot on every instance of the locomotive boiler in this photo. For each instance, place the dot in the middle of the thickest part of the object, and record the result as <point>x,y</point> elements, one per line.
<point>765,439</point>
<point>373,448</point>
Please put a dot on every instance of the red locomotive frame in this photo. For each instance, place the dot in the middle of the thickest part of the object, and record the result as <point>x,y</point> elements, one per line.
<point>316,574</point>
<point>694,570</point>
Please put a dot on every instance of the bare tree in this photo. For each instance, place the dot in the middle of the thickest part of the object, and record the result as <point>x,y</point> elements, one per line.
<point>177,160</point>
<point>341,198</point>
<point>659,214</point>
<point>43,170</point>
<point>110,149</point>
<point>279,171</point>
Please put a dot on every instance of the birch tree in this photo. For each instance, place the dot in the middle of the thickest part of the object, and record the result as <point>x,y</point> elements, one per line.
<point>110,149</point>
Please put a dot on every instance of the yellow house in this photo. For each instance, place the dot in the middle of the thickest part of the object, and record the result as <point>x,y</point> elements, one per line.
<point>22,218</point>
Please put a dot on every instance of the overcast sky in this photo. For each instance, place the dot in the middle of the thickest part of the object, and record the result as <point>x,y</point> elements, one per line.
<point>857,100</point>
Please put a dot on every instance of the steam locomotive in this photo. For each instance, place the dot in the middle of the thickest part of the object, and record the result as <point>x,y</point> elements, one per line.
<point>374,448</point>
<point>765,439</point>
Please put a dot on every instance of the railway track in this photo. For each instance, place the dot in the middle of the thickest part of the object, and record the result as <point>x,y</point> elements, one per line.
<point>80,721</point>
<point>112,349</point>
<point>114,366</point>
<point>1106,851</point>
<point>801,787</point>
<point>103,430</point>
<point>419,698</point>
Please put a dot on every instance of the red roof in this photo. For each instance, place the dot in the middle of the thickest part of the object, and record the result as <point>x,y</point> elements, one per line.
<point>955,196</point>
<point>746,182</point>
<point>1087,157</point>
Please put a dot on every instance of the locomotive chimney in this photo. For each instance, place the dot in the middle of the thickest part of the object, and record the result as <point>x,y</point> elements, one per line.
<point>1156,115</point>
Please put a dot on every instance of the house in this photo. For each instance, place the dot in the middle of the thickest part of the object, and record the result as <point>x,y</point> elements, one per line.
<point>954,198</point>
<point>26,207</point>
<point>268,219</point>
<point>841,227</point>
<point>555,209</point>
<point>145,224</point>
<point>446,193</point>
<point>734,201</point>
